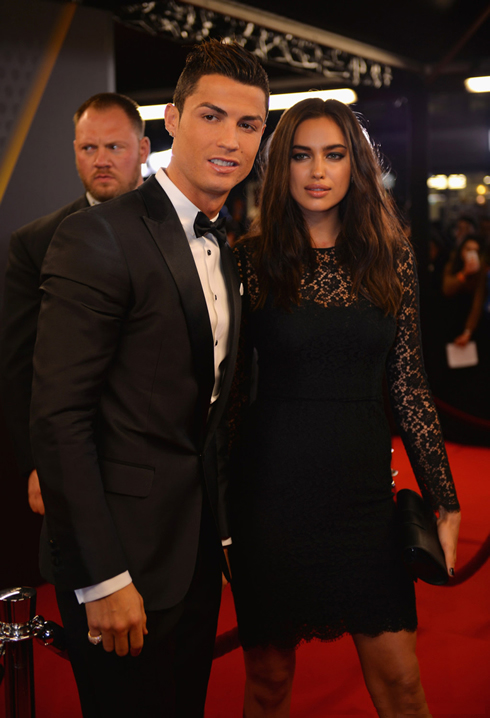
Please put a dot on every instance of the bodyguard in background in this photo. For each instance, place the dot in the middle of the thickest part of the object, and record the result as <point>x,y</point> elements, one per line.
<point>110,147</point>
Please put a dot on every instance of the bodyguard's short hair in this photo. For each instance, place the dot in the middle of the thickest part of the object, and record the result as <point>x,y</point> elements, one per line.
<point>215,57</point>
<point>106,100</point>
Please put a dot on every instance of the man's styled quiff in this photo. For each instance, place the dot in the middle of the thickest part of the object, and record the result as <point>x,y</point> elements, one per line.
<point>214,57</point>
<point>107,100</point>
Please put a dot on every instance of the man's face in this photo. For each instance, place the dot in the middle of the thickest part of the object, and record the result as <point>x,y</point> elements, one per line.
<point>108,152</point>
<point>216,138</point>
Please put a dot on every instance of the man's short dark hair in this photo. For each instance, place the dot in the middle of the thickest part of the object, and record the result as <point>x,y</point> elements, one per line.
<point>106,100</point>
<point>215,57</point>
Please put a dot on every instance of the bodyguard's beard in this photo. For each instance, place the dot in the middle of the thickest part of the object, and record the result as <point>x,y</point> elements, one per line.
<point>115,187</point>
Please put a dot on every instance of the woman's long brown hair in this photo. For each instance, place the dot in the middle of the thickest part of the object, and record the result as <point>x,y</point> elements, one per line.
<point>371,233</point>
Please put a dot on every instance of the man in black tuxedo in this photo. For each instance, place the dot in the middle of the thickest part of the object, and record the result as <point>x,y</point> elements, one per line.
<point>136,347</point>
<point>110,147</point>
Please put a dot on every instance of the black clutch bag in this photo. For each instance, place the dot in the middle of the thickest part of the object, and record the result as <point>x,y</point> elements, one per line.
<point>421,548</point>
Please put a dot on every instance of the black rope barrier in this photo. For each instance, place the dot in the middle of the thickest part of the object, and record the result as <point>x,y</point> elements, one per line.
<point>462,415</point>
<point>226,643</point>
<point>472,566</point>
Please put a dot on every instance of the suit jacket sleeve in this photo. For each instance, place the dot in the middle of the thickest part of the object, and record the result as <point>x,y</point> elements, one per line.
<point>18,325</point>
<point>18,335</point>
<point>87,290</point>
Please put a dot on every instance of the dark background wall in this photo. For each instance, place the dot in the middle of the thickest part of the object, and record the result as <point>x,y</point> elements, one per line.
<point>44,178</point>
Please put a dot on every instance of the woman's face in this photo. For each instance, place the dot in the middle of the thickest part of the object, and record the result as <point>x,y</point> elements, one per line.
<point>320,167</point>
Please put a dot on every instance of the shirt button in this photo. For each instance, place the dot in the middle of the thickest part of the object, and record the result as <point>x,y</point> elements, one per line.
<point>209,251</point>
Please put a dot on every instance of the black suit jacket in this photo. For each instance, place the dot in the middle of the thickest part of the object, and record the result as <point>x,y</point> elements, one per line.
<point>18,323</point>
<point>122,435</point>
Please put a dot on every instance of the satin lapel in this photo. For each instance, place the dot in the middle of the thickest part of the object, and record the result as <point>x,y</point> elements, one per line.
<point>232,279</point>
<point>169,236</point>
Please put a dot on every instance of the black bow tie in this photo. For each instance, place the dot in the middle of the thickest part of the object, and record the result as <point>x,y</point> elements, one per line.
<point>203,225</point>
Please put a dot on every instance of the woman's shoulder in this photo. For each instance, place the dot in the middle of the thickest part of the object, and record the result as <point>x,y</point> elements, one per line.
<point>405,260</point>
<point>243,252</point>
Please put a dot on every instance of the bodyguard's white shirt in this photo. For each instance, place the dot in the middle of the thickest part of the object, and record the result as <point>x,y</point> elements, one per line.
<point>206,253</point>
<point>91,199</point>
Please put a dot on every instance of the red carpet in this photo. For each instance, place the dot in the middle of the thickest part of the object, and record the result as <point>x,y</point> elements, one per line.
<point>453,646</point>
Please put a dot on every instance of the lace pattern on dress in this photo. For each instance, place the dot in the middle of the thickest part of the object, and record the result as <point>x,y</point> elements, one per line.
<point>412,404</point>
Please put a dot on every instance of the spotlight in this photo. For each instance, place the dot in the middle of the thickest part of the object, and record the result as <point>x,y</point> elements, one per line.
<point>478,84</point>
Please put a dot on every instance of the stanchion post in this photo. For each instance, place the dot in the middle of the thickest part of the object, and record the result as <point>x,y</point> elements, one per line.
<point>17,610</point>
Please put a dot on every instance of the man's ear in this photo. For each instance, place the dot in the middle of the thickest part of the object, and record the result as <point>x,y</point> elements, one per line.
<point>144,149</point>
<point>172,118</point>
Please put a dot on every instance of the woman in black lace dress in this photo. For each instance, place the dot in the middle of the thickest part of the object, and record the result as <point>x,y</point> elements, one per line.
<point>330,308</point>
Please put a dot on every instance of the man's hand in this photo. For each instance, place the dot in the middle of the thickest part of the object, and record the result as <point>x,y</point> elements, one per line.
<point>121,619</point>
<point>34,493</point>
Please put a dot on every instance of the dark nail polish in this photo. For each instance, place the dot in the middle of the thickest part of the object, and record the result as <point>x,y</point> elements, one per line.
<point>451,571</point>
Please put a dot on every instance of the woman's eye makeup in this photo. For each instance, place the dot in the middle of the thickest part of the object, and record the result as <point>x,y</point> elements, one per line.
<point>299,156</point>
<point>336,156</point>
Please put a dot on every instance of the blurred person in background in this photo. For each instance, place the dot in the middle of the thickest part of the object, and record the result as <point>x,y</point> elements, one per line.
<point>464,226</point>
<point>463,286</point>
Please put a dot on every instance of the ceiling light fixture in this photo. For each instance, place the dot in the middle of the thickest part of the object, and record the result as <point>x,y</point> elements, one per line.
<point>437,182</point>
<point>456,181</point>
<point>287,100</point>
<point>478,84</point>
<point>152,112</point>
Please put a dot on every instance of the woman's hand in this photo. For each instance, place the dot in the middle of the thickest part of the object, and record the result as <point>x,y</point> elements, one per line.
<point>463,338</point>
<point>448,530</point>
<point>471,262</point>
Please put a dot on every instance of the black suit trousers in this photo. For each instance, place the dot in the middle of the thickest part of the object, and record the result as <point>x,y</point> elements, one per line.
<point>170,676</point>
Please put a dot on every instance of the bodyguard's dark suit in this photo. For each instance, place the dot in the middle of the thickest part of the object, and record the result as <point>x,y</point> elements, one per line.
<point>123,375</point>
<point>18,323</point>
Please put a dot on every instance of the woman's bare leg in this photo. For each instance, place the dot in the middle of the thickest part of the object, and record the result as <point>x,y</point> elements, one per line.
<point>392,676</point>
<point>269,683</point>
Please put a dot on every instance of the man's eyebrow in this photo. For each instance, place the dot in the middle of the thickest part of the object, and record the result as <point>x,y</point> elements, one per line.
<point>220,111</point>
<point>217,109</point>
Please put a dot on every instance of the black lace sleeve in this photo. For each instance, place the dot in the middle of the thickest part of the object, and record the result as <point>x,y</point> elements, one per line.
<point>411,400</point>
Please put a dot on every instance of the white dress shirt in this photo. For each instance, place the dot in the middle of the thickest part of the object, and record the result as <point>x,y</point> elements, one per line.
<point>206,253</point>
